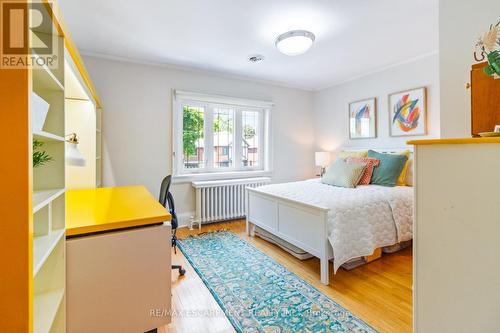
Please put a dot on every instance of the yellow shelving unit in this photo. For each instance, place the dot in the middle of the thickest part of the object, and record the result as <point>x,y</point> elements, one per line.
<point>33,202</point>
<point>49,263</point>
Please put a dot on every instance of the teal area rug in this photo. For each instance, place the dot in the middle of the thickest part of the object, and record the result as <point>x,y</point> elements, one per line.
<point>259,295</point>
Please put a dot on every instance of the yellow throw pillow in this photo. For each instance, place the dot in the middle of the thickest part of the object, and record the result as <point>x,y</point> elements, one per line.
<point>352,153</point>
<point>402,176</point>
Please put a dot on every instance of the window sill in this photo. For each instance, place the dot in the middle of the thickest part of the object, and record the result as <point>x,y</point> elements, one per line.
<point>188,178</point>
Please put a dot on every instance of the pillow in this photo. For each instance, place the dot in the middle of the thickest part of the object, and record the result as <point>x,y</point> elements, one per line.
<point>339,173</point>
<point>389,170</point>
<point>370,164</point>
<point>409,173</point>
<point>402,177</point>
<point>351,153</point>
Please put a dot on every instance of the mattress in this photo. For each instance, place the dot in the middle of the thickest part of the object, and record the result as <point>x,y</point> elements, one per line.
<point>360,220</point>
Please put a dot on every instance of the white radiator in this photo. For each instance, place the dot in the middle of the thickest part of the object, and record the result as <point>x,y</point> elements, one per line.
<point>221,200</point>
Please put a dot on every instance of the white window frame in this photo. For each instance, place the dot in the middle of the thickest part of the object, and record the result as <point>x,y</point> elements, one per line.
<point>209,102</point>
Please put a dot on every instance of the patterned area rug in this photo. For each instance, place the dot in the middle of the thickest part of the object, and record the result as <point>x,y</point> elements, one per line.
<point>259,295</point>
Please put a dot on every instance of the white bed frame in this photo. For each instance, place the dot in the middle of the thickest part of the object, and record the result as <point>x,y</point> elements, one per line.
<point>301,224</point>
<point>287,219</point>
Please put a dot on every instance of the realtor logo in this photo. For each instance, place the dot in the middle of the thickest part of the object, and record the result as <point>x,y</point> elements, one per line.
<point>28,36</point>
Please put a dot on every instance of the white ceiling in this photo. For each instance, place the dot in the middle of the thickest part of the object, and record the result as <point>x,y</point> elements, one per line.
<point>353,37</point>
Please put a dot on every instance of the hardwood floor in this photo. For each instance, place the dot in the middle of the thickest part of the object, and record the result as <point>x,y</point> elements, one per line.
<point>380,292</point>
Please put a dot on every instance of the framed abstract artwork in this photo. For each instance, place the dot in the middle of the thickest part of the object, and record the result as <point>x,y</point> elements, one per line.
<point>363,119</point>
<point>408,112</point>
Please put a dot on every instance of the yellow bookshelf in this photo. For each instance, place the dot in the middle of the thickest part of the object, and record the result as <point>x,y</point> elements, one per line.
<point>48,197</point>
<point>34,211</point>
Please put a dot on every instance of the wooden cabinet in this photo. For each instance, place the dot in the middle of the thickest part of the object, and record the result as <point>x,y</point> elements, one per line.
<point>485,100</point>
<point>456,253</point>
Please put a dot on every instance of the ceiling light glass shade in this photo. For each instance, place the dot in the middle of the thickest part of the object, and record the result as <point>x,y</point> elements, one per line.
<point>295,42</point>
<point>74,156</point>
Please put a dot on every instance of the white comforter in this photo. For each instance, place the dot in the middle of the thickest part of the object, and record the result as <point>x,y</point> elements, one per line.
<point>361,219</point>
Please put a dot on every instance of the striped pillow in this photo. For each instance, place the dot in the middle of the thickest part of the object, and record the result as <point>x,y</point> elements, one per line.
<point>370,164</point>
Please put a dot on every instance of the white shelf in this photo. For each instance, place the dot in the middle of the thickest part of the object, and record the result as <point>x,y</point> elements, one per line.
<point>43,247</point>
<point>46,306</point>
<point>43,198</point>
<point>46,136</point>
<point>45,78</point>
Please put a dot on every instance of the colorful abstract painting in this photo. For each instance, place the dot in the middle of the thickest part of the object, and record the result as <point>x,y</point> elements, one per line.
<point>408,113</point>
<point>363,119</point>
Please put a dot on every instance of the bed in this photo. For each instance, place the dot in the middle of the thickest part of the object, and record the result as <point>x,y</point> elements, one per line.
<point>332,222</point>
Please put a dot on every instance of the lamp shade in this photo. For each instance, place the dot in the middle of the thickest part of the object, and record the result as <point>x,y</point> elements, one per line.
<point>74,156</point>
<point>322,158</point>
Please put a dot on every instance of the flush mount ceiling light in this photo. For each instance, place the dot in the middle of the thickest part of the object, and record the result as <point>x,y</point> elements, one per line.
<point>295,42</point>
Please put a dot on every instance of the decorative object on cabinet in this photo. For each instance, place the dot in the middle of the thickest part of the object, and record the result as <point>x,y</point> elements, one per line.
<point>485,100</point>
<point>488,47</point>
<point>408,112</point>
<point>363,119</point>
<point>489,134</point>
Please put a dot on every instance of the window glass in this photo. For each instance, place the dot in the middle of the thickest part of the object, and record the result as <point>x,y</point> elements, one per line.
<point>250,138</point>
<point>223,130</point>
<point>193,137</point>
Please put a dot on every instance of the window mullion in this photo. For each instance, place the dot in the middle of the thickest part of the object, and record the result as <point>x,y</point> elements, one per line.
<point>238,134</point>
<point>263,140</point>
<point>209,138</point>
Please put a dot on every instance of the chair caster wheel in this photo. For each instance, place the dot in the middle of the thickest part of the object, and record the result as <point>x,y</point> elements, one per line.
<point>182,271</point>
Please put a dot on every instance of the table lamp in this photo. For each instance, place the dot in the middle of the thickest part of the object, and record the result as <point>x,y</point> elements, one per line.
<point>322,159</point>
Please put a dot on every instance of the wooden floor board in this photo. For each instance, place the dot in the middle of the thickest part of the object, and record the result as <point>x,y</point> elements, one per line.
<point>380,292</point>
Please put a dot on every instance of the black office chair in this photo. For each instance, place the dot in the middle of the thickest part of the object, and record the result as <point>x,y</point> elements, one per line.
<point>167,200</point>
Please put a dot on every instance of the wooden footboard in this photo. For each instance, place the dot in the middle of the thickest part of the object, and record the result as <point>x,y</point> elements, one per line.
<point>298,223</point>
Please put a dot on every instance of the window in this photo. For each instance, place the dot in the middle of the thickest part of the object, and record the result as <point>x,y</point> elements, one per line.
<point>214,134</point>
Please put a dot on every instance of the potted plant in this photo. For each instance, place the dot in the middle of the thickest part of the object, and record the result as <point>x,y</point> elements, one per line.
<point>488,47</point>
<point>40,157</point>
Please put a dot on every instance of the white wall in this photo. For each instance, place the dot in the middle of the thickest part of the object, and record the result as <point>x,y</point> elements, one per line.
<point>331,105</point>
<point>137,122</point>
<point>461,23</point>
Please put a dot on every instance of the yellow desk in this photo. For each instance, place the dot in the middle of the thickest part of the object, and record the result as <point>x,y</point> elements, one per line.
<point>103,209</point>
<point>118,260</point>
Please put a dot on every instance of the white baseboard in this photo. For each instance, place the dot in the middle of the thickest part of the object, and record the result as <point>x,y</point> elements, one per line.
<point>184,219</point>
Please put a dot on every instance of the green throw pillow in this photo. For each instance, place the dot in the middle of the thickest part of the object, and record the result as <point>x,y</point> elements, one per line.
<point>339,173</point>
<point>389,169</point>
